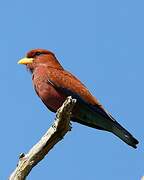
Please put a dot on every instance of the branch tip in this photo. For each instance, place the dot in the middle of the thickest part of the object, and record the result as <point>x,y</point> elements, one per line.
<point>53,135</point>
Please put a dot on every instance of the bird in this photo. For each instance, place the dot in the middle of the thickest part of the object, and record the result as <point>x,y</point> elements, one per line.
<point>53,84</point>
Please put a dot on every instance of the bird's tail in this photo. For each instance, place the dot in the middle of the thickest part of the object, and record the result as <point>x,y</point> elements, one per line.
<point>123,134</point>
<point>105,122</point>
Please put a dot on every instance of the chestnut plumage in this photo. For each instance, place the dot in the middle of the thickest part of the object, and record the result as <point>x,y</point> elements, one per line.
<point>53,84</point>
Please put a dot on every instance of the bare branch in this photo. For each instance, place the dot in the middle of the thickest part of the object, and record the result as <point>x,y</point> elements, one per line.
<point>54,134</point>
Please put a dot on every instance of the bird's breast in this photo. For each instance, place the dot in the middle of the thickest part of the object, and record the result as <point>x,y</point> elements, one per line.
<point>48,94</point>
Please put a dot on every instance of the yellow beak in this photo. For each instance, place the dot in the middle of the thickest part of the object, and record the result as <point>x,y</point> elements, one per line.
<point>25,61</point>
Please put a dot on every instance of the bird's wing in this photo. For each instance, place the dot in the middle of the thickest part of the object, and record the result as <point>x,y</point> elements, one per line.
<point>68,84</point>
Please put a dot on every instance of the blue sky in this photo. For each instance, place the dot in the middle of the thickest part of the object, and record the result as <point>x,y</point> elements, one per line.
<point>102,43</point>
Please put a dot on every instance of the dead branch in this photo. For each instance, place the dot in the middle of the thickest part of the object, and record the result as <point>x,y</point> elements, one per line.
<point>54,134</point>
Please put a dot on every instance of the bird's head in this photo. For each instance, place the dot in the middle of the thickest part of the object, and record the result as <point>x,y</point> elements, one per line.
<point>40,57</point>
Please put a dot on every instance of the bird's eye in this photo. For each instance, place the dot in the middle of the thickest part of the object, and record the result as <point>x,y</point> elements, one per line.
<point>38,53</point>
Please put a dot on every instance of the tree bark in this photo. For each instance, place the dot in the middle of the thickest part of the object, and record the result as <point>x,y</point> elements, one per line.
<point>53,135</point>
